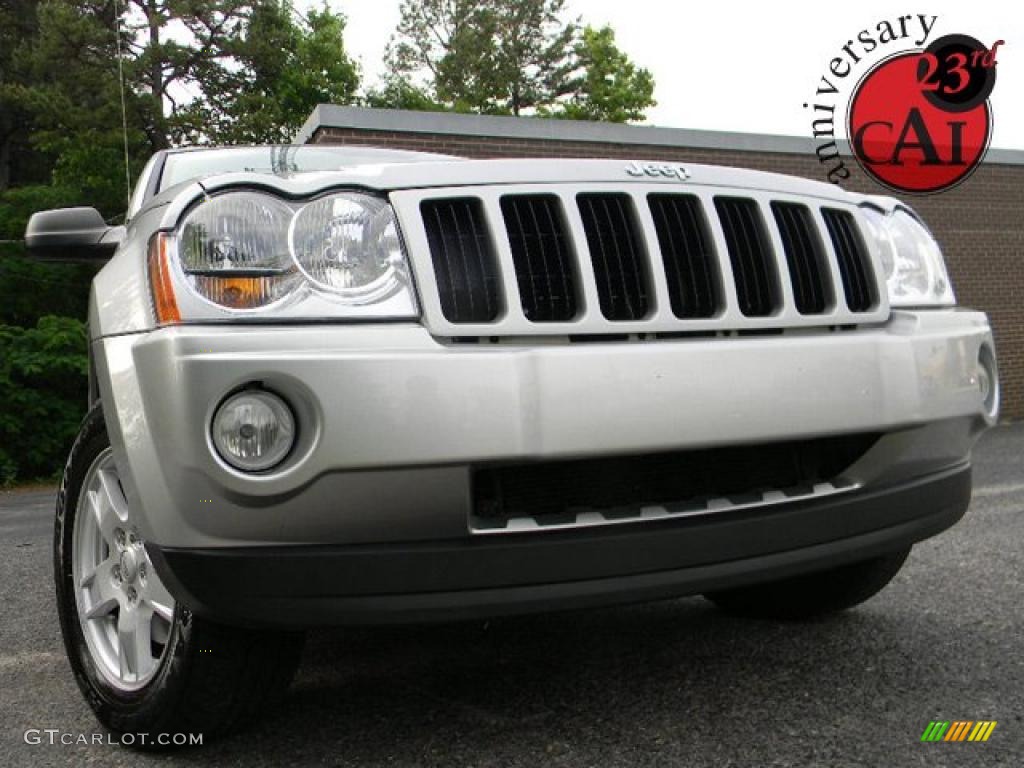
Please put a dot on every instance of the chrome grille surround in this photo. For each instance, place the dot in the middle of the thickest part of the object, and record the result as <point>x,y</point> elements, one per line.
<point>660,318</point>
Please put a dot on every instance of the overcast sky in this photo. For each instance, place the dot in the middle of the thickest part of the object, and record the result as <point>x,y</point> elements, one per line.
<point>749,66</point>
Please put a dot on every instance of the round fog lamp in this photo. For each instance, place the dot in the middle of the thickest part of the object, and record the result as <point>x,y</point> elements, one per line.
<point>988,381</point>
<point>253,430</point>
<point>984,383</point>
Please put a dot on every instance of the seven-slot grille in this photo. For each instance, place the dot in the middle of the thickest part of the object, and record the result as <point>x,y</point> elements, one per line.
<point>509,261</point>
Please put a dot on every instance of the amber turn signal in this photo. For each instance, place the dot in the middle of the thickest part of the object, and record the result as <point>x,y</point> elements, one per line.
<point>164,304</point>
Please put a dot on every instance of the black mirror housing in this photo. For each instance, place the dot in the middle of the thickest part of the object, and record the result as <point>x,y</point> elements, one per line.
<point>71,234</point>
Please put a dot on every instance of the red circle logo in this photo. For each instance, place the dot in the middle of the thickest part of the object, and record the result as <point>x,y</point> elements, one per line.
<point>920,122</point>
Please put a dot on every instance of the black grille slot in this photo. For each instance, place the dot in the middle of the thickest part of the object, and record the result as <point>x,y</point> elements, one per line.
<point>854,263</point>
<point>464,262</point>
<point>542,257</point>
<point>805,254</point>
<point>553,492</point>
<point>750,254</point>
<point>620,268</point>
<point>688,254</point>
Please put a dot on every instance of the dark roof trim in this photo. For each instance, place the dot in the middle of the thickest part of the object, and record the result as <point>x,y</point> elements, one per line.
<point>454,124</point>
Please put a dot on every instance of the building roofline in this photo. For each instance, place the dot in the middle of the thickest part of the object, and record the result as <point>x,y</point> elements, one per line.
<point>491,126</point>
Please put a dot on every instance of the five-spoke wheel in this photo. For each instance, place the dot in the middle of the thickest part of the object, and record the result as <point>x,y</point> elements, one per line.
<point>125,610</point>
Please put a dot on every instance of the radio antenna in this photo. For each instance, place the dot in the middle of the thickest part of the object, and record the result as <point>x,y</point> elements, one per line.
<point>124,108</point>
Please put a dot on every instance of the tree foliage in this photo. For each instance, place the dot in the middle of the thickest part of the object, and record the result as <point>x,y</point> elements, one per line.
<point>195,71</point>
<point>397,92</point>
<point>65,136</point>
<point>510,57</point>
<point>18,23</point>
<point>30,290</point>
<point>43,388</point>
<point>286,66</point>
<point>43,362</point>
<point>488,56</point>
<point>607,85</point>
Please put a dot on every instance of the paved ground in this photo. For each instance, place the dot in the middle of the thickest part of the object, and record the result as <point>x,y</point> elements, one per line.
<point>672,683</point>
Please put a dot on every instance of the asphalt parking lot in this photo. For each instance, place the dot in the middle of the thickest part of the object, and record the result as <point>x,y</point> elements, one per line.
<point>670,683</point>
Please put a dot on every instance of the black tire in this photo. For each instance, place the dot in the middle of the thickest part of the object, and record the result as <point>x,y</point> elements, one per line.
<point>812,594</point>
<point>212,679</point>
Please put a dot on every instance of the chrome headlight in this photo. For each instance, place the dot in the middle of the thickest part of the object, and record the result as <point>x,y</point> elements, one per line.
<point>233,251</point>
<point>348,245</point>
<point>256,254</point>
<point>915,272</point>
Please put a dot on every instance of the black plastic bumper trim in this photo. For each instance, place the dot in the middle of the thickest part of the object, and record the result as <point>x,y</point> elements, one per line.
<point>479,576</point>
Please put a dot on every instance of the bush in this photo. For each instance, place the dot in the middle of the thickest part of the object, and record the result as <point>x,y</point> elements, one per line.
<point>44,393</point>
<point>31,289</point>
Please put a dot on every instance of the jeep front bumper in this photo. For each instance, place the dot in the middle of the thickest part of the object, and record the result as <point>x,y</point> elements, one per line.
<point>369,520</point>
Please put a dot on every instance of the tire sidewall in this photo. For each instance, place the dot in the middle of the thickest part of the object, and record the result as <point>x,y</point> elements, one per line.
<point>137,711</point>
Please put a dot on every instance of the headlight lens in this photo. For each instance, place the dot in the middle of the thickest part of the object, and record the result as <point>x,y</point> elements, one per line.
<point>336,256</point>
<point>348,244</point>
<point>234,251</point>
<point>915,271</point>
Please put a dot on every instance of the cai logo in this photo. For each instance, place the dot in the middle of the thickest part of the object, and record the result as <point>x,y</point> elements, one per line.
<point>920,122</point>
<point>958,730</point>
<point>918,117</point>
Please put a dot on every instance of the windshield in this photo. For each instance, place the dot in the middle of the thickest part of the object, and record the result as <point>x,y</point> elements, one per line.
<point>279,160</point>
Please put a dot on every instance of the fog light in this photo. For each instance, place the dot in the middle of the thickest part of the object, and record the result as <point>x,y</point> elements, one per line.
<point>984,383</point>
<point>988,381</point>
<point>253,430</point>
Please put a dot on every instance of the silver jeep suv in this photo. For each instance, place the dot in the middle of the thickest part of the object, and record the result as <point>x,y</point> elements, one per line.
<point>339,385</point>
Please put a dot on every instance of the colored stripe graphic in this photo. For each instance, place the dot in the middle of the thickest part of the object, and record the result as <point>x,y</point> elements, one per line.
<point>935,730</point>
<point>983,730</point>
<point>958,730</point>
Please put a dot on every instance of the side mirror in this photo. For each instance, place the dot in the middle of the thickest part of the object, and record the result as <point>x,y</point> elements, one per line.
<point>71,234</point>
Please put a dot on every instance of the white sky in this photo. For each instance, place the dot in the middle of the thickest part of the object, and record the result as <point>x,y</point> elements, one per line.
<point>748,66</point>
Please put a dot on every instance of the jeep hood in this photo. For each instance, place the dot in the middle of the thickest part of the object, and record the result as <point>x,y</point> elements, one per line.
<point>427,171</point>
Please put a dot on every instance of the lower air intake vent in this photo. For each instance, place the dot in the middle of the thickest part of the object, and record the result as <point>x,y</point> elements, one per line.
<point>556,492</point>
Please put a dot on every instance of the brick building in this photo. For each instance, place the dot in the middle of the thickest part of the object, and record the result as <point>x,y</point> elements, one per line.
<point>980,224</point>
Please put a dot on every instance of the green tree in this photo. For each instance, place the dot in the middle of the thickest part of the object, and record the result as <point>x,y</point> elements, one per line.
<point>173,48</point>
<point>285,67</point>
<point>193,71</point>
<point>510,57</point>
<point>43,389</point>
<point>68,82</point>
<point>68,113</point>
<point>17,162</point>
<point>607,86</point>
<point>395,92</point>
<point>489,56</point>
<point>30,290</point>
